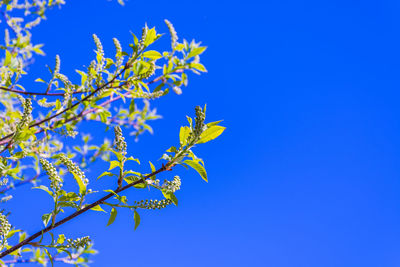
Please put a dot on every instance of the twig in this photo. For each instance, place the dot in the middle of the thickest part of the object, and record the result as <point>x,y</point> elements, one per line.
<point>35,93</point>
<point>2,191</point>
<point>79,212</point>
<point>6,138</point>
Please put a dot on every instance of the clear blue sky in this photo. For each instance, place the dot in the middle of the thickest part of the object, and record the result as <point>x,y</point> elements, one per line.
<point>307,173</point>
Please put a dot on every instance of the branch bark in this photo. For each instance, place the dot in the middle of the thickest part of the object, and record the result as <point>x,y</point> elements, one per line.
<point>79,212</point>
<point>34,93</point>
<point>6,138</point>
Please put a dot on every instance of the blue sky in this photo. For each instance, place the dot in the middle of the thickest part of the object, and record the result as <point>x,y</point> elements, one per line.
<point>307,173</point>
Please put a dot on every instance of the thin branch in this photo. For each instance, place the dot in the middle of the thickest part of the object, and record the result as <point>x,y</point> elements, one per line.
<point>29,180</point>
<point>34,93</point>
<point>79,212</point>
<point>9,187</point>
<point>66,259</point>
<point>105,103</point>
<point>6,138</point>
<point>84,113</point>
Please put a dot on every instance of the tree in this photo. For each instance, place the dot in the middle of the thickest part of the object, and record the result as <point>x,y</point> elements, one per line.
<point>35,128</point>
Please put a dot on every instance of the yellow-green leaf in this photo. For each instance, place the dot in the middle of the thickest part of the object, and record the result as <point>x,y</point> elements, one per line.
<point>199,168</point>
<point>82,186</point>
<point>183,135</point>
<point>7,60</point>
<point>113,215</point>
<point>98,208</point>
<point>210,134</point>
<point>105,173</point>
<point>136,218</point>
<point>114,164</point>
<point>171,196</point>
<point>196,51</point>
<point>152,54</point>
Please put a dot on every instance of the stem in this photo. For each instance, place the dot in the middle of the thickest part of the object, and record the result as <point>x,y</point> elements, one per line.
<point>9,187</point>
<point>120,206</point>
<point>79,212</point>
<point>5,138</point>
<point>34,93</point>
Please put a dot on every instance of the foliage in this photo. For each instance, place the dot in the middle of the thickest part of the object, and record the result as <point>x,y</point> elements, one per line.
<point>35,129</point>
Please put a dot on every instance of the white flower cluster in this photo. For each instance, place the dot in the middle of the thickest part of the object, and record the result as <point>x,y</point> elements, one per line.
<point>150,71</point>
<point>153,204</point>
<point>5,228</point>
<point>74,169</point>
<point>79,242</point>
<point>118,49</point>
<point>174,35</point>
<point>119,141</point>
<point>172,186</point>
<point>55,179</point>
<point>26,115</point>
<point>99,51</point>
<point>142,39</point>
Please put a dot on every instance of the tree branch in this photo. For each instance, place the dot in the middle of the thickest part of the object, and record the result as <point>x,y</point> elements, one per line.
<point>34,93</point>
<point>6,138</point>
<point>9,187</point>
<point>79,212</point>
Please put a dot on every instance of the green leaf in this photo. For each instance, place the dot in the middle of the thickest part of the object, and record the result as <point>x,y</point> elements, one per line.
<point>61,239</point>
<point>111,191</point>
<point>198,66</point>
<point>78,179</point>
<point>44,188</point>
<point>153,169</point>
<point>172,149</point>
<point>98,208</point>
<point>132,106</point>
<point>152,54</point>
<point>210,134</point>
<point>113,215</point>
<point>39,80</point>
<point>132,172</point>
<point>71,196</point>
<point>196,51</point>
<point>199,168</point>
<point>46,218</point>
<point>114,164</point>
<point>213,123</point>
<point>7,60</point>
<point>50,257</point>
<point>106,174</point>
<point>132,158</point>
<point>171,196</point>
<point>184,135</point>
<point>83,76</point>
<point>68,204</point>
<point>136,218</point>
<point>12,232</point>
<point>119,155</point>
<point>150,37</point>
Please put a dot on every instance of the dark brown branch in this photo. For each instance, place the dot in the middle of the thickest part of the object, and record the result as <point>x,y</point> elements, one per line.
<point>2,191</point>
<point>105,103</point>
<point>34,93</point>
<point>79,212</point>
<point>6,138</point>
<point>30,180</point>
<point>159,78</point>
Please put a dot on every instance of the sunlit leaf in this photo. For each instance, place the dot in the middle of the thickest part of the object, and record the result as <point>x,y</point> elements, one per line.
<point>113,215</point>
<point>199,168</point>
